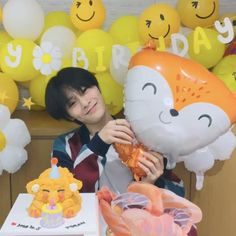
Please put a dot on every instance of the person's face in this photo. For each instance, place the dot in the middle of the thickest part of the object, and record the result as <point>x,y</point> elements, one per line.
<point>87,106</point>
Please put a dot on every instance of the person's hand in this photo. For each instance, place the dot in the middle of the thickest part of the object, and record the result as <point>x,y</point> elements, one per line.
<point>117,131</point>
<point>152,164</point>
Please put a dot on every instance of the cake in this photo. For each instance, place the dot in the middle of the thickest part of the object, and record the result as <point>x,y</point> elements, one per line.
<point>56,196</point>
<point>52,216</point>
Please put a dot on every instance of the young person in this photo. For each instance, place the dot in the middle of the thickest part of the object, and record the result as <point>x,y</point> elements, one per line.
<point>74,95</point>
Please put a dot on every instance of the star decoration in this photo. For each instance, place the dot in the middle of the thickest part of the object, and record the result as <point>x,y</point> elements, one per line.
<point>28,102</point>
<point>3,96</point>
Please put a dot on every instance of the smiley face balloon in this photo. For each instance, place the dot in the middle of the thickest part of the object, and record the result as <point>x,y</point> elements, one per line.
<point>198,13</point>
<point>87,14</point>
<point>158,20</point>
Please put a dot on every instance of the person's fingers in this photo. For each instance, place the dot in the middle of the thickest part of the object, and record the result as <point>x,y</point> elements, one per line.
<point>122,122</point>
<point>148,164</point>
<point>124,129</point>
<point>119,140</point>
<point>145,169</point>
<point>155,158</point>
<point>123,135</point>
<point>159,156</point>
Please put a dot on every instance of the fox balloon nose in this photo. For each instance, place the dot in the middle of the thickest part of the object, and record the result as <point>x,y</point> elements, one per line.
<point>174,112</point>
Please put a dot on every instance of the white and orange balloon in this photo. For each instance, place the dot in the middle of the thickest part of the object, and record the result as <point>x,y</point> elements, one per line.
<point>178,111</point>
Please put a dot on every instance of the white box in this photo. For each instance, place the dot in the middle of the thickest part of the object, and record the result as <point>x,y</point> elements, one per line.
<point>86,223</point>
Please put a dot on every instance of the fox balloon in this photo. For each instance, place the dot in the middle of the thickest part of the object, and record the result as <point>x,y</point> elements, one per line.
<point>178,108</point>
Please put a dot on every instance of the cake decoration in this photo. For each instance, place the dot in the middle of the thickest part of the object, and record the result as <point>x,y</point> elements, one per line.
<point>56,196</point>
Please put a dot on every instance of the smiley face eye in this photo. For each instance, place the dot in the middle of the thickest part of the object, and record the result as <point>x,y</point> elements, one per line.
<point>148,23</point>
<point>150,85</point>
<point>194,4</point>
<point>90,2</point>
<point>78,4</point>
<point>162,17</point>
<point>206,117</point>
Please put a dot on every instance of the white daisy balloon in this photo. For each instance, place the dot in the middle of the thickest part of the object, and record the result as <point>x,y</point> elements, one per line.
<point>14,136</point>
<point>47,58</point>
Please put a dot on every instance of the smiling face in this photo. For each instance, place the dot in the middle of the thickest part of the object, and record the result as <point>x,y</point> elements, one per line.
<point>198,13</point>
<point>87,14</point>
<point>158,20</point>
<point>169,108</point>
<point>88,106</point>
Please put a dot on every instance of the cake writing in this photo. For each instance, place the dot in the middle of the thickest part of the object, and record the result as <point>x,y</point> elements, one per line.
<point>74,225</point>
<point>28,227</point>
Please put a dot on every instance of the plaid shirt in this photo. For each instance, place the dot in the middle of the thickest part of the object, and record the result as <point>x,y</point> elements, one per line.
<point>85,157</point>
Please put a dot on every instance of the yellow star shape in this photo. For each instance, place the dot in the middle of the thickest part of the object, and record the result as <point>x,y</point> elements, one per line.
<point>3,96</point>
<point>28,102</point>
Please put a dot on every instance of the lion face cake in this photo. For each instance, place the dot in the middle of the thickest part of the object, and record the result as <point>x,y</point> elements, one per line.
<point>56,196</point>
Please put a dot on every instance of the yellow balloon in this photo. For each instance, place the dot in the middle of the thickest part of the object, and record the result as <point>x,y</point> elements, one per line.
<point>96,51</point>
<point>54,18</point>
<point>226,71</point>
<point>87,15</point>
<point>9,93</point>
<point>210,49</point>
<point>125,30</point>
<point>198,13</point>
<point>4,38</point>
<point>16,59</point>
<point>37,87</point>
<point>157,21</point>
<point>37,90</point>
<point>112,92</point>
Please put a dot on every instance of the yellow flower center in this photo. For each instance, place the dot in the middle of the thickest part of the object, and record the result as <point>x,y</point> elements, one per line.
<point>2,141</point>
<point>46,58</point>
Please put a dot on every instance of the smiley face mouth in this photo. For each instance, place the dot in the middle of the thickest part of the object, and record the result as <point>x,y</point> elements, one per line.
<point>162,120</point>
<point>205,17</point>
<point>168,31</point>
<point>91,17</point>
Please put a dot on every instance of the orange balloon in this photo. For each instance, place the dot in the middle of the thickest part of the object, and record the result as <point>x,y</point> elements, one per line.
<point>198,84</point>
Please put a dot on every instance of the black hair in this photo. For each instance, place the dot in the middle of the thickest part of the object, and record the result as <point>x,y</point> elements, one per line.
<point>67,78</point>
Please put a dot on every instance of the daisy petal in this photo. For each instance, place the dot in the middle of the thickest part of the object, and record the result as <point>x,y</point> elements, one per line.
<point>46,46</point>
<point>12,158</point>
<point>46,69</point>
<point>4,116</point>
<point>37,52</point>
<point>16,133</point>
<point>56,64</point>
<point>37,63</point>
